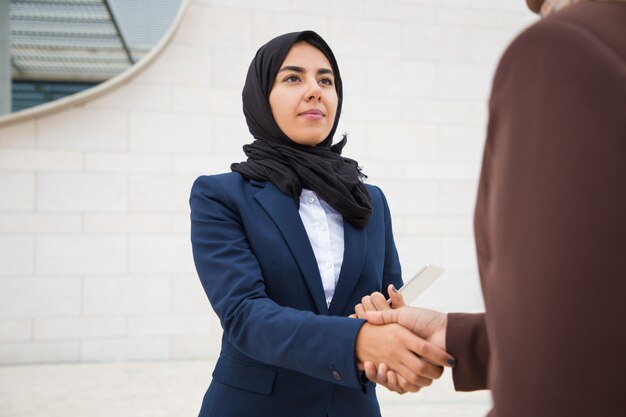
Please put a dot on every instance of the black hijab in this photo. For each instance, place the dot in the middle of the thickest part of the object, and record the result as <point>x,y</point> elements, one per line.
<point>291,166</point>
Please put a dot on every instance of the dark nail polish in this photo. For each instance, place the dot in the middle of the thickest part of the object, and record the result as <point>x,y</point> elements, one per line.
<point>451,362</point>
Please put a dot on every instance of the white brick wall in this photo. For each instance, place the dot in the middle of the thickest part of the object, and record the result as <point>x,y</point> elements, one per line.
<point>127,348</point>
<point>81,192</point>
<point>39,297</point>
<point>81,254</point>
<point>95,257</point>
<point>121,296</point>
<point>17,255</point>
<point>17,190</point>
<point>78,328</point>
<point>99,129</point>
<point>15,330</point>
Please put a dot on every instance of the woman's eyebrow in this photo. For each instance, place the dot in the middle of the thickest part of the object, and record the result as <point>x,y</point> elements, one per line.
<point>292,68</point>
<point>301,70</point>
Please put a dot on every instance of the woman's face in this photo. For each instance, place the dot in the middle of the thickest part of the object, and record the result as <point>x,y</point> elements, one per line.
<point>303,98</point>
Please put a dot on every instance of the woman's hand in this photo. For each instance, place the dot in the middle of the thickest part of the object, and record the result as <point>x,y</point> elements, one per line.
<point>389,379</point>
<point>412,358</point>
<point>401,379</point>
<point>428,324</point>
<point>376,302</point>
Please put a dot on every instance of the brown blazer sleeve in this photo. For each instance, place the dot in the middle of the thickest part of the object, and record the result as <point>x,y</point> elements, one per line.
<point>466,340</point>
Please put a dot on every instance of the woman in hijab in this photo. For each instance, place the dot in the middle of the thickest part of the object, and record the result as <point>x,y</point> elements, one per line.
<point>287,243</point>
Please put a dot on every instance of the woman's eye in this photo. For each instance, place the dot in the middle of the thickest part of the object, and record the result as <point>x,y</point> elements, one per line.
<point>326,81</point>
<point>291,79</point>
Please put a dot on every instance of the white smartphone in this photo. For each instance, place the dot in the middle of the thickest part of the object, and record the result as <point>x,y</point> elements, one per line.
<point>421,280</point>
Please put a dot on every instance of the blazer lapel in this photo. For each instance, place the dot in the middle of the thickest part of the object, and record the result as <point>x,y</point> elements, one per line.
<point>282,210</point>
<point>353,258</point>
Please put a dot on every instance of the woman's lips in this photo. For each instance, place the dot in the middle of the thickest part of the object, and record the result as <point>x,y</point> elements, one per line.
<point>313,114</point>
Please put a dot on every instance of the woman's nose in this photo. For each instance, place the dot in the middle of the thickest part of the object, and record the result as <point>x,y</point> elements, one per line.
<point>313,91</point>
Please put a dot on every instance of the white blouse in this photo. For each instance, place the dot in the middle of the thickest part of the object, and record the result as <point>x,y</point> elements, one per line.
<point>324,226</point>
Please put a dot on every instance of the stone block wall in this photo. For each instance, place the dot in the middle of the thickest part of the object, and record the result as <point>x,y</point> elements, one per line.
<point>95,258</point>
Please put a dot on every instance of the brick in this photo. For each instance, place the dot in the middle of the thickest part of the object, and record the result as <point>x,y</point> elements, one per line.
<point>90,129</point>
<point>441,171</point>
<point>366,38</point>
<point>39,352</point>
<point>410,78</point>
<point>28,223</point>
<point>15,330</point>
<point>188,296</point>
<point>410,142</point>
<point>437,111</point>
<point>229,135</point>
<point>369,108</point>
<point>17,191</point>
<point>464,81</point>
<point>125,349</point>
<point>81,254</point>
<point>215,26</point>
<point>166,67</point>
<point>136,95</point>
<point>166,132</point>
<point>196,165</point>
<point>458,197</point>
<point>126,223</point>
<point>192,99</point>
<point>267,25</point>
<point>379,171</point>
<point>412,197</point>
<point>16,255</point>
<point>78,328</point>
<point>226,101</point>
<point>35,159</point>
<point>462,143</point>
<point>35,297</point>
<point>229,66</point>
<point>123,295</point>
<point>322,7</point>
<point>437,225</point>
<point>195,347</point>
<point>354,73</point>
<point>401,11</point>
<point>161,193</point>
<point>169,325</point>
<point>181,223</point>
<point>81,192</point>
<point>470,17</point>
<point>459,253</point>
<point>126,162</point>
<point>161,254</point>
<point>436,43</point>
<point>417,251</point>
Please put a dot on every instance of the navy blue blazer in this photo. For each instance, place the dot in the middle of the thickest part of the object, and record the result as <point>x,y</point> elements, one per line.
<point>284,352</point>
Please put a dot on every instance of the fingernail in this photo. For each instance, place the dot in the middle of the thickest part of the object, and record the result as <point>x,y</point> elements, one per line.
<point>451,362</point>
<point>393,288</point>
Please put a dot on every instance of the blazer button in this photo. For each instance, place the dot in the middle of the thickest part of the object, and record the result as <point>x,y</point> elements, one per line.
<point>336,375</point>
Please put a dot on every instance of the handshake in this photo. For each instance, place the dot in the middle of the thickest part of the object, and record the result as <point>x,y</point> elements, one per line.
<point>400,347</point>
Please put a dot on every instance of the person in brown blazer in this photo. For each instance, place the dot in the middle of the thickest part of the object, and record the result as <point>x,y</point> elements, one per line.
<point>550,226</point>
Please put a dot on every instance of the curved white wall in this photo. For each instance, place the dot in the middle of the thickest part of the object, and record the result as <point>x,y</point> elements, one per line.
<point>95,259</point>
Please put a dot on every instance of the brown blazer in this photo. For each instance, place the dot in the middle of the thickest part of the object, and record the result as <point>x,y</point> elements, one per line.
<point>550,224</point>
